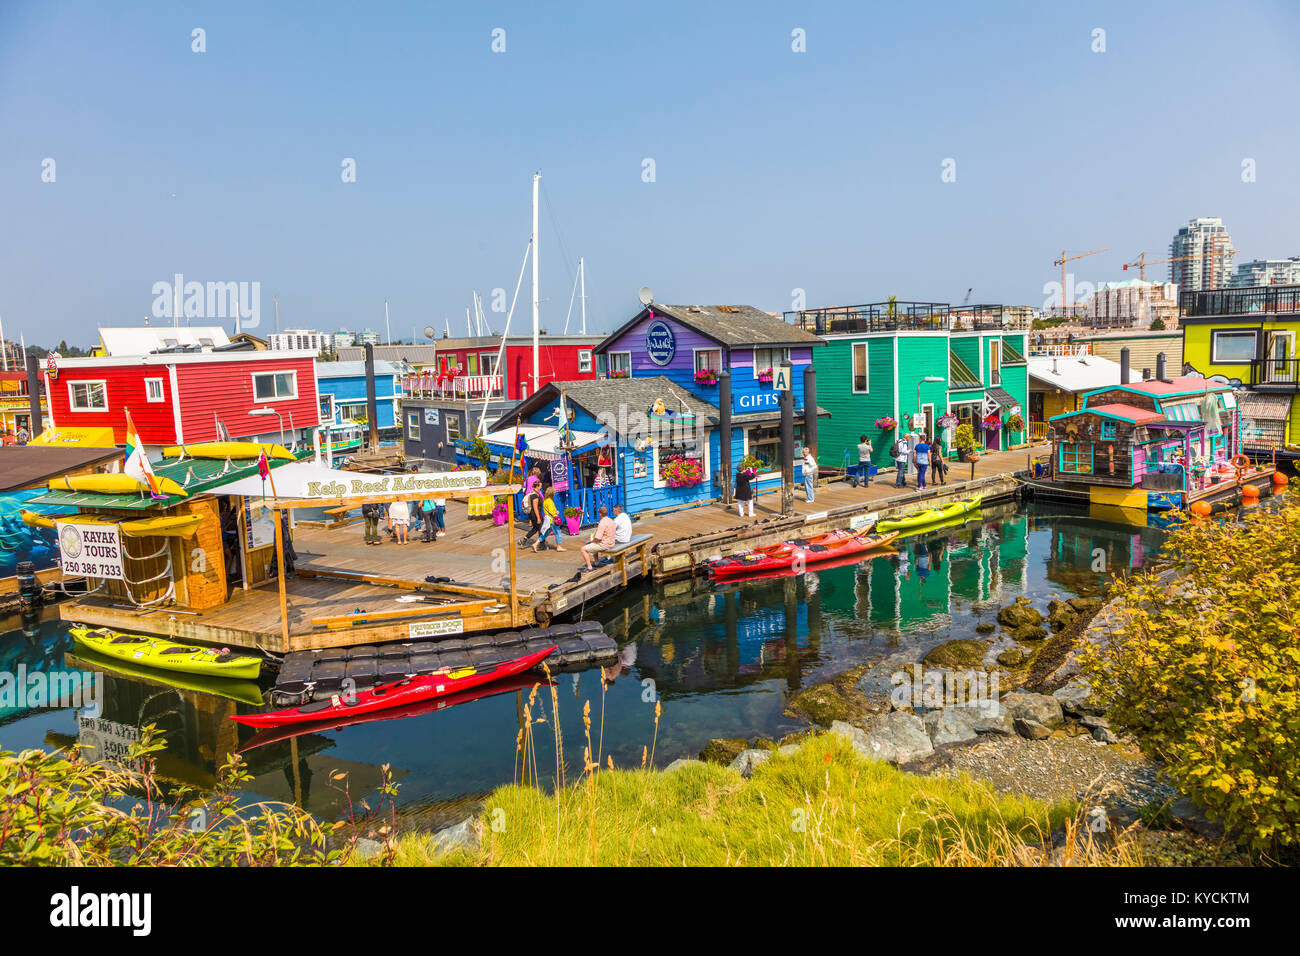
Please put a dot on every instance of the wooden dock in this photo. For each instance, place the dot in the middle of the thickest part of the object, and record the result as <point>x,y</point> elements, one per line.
<point>347,593</point>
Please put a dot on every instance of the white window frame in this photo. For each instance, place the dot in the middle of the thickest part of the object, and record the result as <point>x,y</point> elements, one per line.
<point>292,372</point>
<point>101,382</point>
<point>613,366</point>
<point>866,369</point>
<point>450,421</point>
<point>784,356</point>
<point>1214,346</point>
<point>149,385</point>
<point>708,469</point>
<point>995,361</point>
<point>709,351</point>
<point>413,424</point>
<point>584,360</point>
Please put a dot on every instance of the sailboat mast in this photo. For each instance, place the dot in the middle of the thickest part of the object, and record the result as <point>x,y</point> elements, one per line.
<point>582,277</point>
<point>388,329</point>
<point>537,177</point>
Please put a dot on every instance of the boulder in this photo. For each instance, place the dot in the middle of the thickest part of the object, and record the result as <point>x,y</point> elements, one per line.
<point>987,717</point>
<point>1084,605</point>
<point>1030,729</point>
<point>723,750</point>
<point>1076,699</point>
<point>897,737</point>
<point>747,760</point>
<point>1104,735</point>
<point>1029,632</point>
<point>681,762</point>
<point>985,628</point>
<point>1040,708</point>
<point>462,836</point>
<point>959,654</point>
<point>1012,657</point>
<point>787,750</point>
<point>949,726</point>
<point>1019,614</point>
<point>366,849</point>
<point>1062,616</point>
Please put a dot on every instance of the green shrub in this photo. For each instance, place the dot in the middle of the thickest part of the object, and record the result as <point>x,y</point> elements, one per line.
<point>1207,671</point>
<point>964,439</point>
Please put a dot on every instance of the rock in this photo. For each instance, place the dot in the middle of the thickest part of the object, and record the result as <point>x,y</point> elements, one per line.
<point>786,750</point>
<point>1012,657</point>
<point>1062,616</point>
<point>1091,721</point>
<point>681,762</point>
<point>957,654</point>
<point>985,628</point>
<point>365,849</point>
<point>836,699</point>
<point>1036,707</point>
<point>949,726</point>
<point>1030,729</point>
<point>1029,632</point>
<point>463,836</point>
<point>896,738</point>
<point>760,743</point>
<point>988,717</point>
<point>1019,614</point>
<point>1191,816</point>
<point>1076,699</point>
<point>745,763</point>
<point>1104,735</point>
<point>1084,605</point>
<point>723,750</point>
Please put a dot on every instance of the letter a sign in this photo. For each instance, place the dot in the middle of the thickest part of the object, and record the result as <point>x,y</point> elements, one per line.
<point>781,376</point>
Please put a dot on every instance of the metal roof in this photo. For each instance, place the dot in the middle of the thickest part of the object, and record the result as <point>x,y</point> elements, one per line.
<point>353,369</point>
<point>1074,373</point>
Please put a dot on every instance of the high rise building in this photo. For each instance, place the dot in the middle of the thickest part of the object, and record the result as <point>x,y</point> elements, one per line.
<point>344,338</point>
<point>368,338</point>
<point>1267,272</point>
<point>300,339</point>
<point>1133,304</point>
<point>1207,241</point>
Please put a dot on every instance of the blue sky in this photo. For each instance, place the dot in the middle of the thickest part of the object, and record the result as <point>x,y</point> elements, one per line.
<point>774,170</point>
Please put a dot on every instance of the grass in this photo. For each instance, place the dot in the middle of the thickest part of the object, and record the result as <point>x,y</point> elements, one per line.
<point>823,805</point>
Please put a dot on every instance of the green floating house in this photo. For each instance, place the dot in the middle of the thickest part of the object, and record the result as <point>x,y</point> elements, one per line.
<point>892,361</point>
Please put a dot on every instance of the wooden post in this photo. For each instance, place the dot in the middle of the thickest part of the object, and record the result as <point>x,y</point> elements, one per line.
<point>284,606</point>
<point>510,534</point>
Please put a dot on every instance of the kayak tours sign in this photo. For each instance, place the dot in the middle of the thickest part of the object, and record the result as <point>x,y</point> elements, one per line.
<point>90,550</point>
<point>313,482</point>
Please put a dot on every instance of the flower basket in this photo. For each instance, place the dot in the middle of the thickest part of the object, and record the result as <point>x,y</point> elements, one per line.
<point>683,472</point>
<point>992,423</point>
<point>1016,423</point>
<point>499,514</point>
<point>706,376</point>
<point>887,423</point>
<point>765,376</point>
<point>619,374</point>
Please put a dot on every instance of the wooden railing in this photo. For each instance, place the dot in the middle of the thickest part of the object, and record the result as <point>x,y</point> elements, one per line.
<point>1038,432</point>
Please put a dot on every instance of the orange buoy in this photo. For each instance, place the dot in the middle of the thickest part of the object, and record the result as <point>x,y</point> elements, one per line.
<point>1279,479</point>
<point>1249,491</point>
<point>1201,509</point>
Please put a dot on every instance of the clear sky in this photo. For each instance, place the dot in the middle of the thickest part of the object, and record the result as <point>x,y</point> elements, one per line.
<point>774,170</point>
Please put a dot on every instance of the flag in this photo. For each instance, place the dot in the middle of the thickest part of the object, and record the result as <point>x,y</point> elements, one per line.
<point>563,427</point>
<point>137,463</point>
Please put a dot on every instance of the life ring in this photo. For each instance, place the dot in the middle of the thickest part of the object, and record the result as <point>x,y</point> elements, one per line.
<point>1240,462</point>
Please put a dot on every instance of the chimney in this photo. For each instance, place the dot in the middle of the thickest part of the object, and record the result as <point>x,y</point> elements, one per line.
<point>1160,367</point>
<point>1123,366</point>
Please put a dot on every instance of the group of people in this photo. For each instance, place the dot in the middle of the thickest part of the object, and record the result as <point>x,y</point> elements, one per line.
<point>20,437</point>
<point>544,521</point>
<point>429,515</point>
<point>744,492</point>
<point>921,452</point>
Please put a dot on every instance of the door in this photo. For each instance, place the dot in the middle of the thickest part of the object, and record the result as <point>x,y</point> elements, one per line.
<point>1279,366</point>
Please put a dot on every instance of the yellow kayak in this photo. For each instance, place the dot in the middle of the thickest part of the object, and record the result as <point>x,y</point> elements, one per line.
<point>244,691</point>
<point>173,526</point>
<point>160,653</point>
<point>228,449</point>
<point>114,485</point>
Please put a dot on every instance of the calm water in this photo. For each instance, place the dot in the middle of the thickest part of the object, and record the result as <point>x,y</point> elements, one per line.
<point>723,660</point>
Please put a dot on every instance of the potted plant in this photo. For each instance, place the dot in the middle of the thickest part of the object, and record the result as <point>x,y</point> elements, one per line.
<point>683,472</point>
<point>573,519</point>
<point>752,465</point>
<point>706,376</point>
<point>964,441</point>
<point>499,510</point>
<point>886,423</point>
<point>765,375</point>
<point>619,373</point>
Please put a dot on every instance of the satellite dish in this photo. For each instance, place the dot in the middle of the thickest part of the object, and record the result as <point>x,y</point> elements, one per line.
<point>645,295</point>
<point>428,331</point>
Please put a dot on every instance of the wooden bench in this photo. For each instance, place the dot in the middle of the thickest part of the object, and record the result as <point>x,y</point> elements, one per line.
<point>638,542</point>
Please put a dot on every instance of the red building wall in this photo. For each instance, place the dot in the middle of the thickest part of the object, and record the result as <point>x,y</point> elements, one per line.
<point>125,389</point>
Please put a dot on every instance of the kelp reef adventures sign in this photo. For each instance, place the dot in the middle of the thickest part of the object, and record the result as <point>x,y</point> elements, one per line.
<point>353,486</point>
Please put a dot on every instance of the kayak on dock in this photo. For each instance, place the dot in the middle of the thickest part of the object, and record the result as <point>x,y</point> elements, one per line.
<point>831,546</point>
<point>164,655</point>
<point>928,516</point>
<point>409,690</point>
<point>231,688</point>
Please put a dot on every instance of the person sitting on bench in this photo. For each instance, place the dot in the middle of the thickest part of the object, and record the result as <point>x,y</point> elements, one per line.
<point>602,539</point>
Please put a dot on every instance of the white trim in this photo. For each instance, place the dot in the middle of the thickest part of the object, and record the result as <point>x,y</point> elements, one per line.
<point>72,406</point>
<point>50,405</point>
<point>853,368</point>
<point>162,394</point>
<point>447,421</point>
<point>278,398</point>
<point>895,415</point>
<point>183,358</point>
<point>695,358</point>
<point>585,357</point>
<point>1214,346</point>
<point>610,368</point>
<point>413,416</point>
<point>997,340</point>
<point>785,349</point>
<point>176,407</point>
<point>708,464</point>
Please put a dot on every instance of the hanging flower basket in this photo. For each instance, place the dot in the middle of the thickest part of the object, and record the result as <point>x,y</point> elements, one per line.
<point>683,472</point>
<point>1016,423</point>
<point>765,376</point>
<point>887,423</point>
<point>992,423</point>
<point>706,376</point>
<point>948,420</point>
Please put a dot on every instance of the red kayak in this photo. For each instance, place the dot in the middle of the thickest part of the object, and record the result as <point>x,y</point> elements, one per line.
<point>409,690</point>
<point>834,545</point>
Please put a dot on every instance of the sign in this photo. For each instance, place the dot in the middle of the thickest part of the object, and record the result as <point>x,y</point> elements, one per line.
<point>431,416</point>
<point>638,466</point>
<point>314,482</point>
<point>105,741</point>
<point>90,550</point>
<point>560,474</point>
<point>259,522</point>
<point>755,401</point>
<point>781,377</point>
<point>436,628</point>
<point>660,342</point>
<point>861,522</point>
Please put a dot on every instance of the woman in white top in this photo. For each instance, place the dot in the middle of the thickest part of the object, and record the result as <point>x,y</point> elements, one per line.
<point>399,516</point>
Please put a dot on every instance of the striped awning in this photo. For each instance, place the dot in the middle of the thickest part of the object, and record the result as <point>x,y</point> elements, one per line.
<point>1269,407</point>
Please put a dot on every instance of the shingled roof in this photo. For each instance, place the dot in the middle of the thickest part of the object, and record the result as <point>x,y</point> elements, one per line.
<point>735,326</point>
<point>603,399</point>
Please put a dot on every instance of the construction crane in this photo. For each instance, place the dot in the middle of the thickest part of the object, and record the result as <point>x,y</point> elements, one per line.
<point>1142,261</point>
<point>966,301</point>
<point>1062,261</point>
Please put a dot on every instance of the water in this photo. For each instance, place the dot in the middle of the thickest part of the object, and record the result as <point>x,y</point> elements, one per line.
<point>723,660</point>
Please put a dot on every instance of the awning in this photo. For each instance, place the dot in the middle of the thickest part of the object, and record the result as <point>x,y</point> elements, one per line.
<point>1269,407</point>
<point>1000,395</point>
<point>543,440</point>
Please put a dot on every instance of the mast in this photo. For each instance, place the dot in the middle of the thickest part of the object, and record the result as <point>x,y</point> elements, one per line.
<point>388,329</point>
<point>276,300</point>
<point>536,302</point>
<point>582,277</point>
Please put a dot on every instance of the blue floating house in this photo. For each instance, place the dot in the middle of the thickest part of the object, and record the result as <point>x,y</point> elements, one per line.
<point>342,390</point>
<point>646,433</point>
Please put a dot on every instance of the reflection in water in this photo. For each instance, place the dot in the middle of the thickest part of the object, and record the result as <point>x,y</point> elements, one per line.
<point>722,658</point>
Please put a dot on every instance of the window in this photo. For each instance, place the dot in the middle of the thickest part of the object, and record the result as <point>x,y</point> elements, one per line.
<point>860,380</point>
<point>1232,347</point>
<point>681,465</point>
<point>471,361</point>
<point>764,443</point>
<point>1076,458</point>
<point>88,396</point>
<point>602,365</point>
<point>765,359</point>
<point>620,364</point>
<point>995,362</point>
<point>708,360</point>
<point>275,386</point>
<point>487,361</point>
<point>1109,430</point>
<point>453,428</point>
<point>413,425</point>
<point>584,360</point>
<point>153,389</point>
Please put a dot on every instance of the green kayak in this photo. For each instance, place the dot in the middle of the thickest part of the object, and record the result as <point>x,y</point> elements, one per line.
<point>921,519</point>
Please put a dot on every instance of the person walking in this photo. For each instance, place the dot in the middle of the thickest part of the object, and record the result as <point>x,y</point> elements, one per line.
<point>922,453</point>
<point>602,539</point>
<point>427,512</point>
<point>399,516</point>
<point>744,492</point>
<point>938,467</point>
<point>550,521</point>
<point>440,515</point>
<point>370,513</point>
<point>864,460</point>
<point>902,455</point>
<point>533,508</point>
<point>809,475</point>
